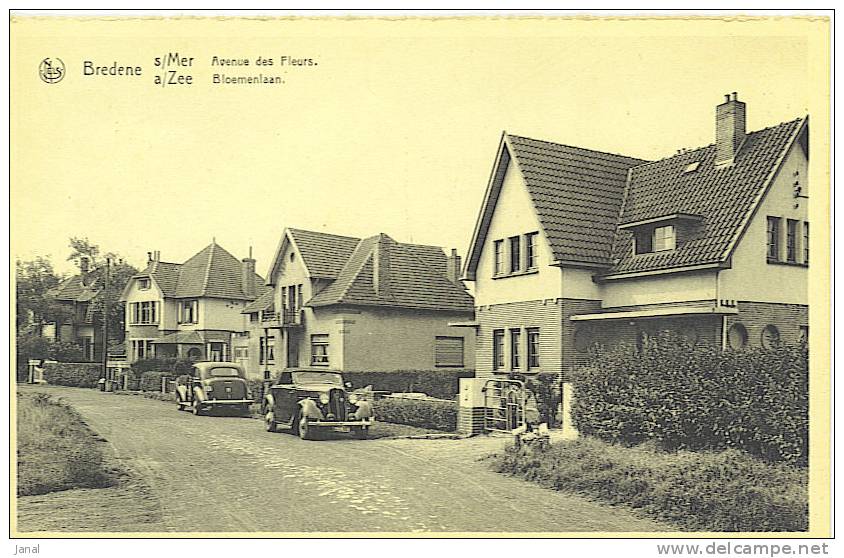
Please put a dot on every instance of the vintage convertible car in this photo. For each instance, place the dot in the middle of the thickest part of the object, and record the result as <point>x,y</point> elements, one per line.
<point>214,385</point>
<point>309,401</point>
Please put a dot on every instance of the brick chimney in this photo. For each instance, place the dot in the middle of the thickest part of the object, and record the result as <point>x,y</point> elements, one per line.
<point>730,129</point>
<point>154,256</point>
<point>453,266</point>
<point>248,275</point>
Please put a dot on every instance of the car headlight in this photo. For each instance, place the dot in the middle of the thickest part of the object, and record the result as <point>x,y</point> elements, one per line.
<point>323,398</point>
<point>353,399</point>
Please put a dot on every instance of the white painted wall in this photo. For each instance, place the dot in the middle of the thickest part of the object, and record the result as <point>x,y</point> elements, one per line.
<point>751,276</point>
<point>515,215</point>
<point>134,294</point>
<point>577,283</point>
<point>218,313</point>
<point>655,289</point>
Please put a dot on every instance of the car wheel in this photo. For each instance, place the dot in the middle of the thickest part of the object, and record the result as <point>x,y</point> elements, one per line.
<point>196,408</point>
<point>362,432</point>
<point>269,421</point>
<point>306,431</point>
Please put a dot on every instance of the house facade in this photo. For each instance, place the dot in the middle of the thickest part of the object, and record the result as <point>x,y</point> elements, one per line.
<point>575,248</point>
<point>189,310</point>
<point>77,294</point>
<point>353,304</point>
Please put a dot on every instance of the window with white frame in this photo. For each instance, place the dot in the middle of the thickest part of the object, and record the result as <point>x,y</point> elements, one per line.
<point>664,238</point>
<point>498,247</point>
<point>515,253</point>
<point>188,311</point>
<point>142,348</point>
<point>143,283</point>
<point>144,312</point>
<point>530,250</point>
<point>533,348</point>
<point>266,350</point>
<point>498,349</point>
<point>319,349</point>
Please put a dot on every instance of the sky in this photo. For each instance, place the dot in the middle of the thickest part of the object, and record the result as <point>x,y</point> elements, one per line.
<point>394,130</point>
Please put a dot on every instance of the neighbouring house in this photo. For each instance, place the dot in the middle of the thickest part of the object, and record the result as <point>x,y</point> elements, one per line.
<point>77,294</point>
<point>189,310</point>
<point>354,304</point>
<point>575,248</point>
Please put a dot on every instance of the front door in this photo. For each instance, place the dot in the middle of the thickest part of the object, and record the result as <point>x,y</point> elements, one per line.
<point>292,349</point>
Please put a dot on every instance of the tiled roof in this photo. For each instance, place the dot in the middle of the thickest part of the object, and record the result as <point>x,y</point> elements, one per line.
<point>383,272</point>
<point>79,288</point>
<point>577,194</point>
<point>213,272</point>
<point>722,196</point>
<point>323,254</point>
<point>263,302</point>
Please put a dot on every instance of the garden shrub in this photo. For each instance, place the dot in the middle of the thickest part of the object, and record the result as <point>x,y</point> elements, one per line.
<point>73,374</point>
<point>437,415</point>
<point>151,380</point>
<point>441,384</point>
<point>722,491</point>
<point>681,397</point>
<point>172,365</point>
<point>548,392</point>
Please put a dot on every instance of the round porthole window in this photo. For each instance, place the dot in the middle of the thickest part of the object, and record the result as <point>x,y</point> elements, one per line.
<point>770,336</point>
<point>583,339</point>
<point>737,336</point>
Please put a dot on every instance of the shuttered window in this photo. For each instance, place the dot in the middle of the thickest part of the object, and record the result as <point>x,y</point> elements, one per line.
<point>448,351</point>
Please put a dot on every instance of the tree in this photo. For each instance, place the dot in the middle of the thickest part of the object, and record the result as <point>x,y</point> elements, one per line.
<point>34,305</point>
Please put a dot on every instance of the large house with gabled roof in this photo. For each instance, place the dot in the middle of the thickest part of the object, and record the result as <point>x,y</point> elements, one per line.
<point>189,310</point>
<point>575,248</point>
<point>352,304</point>
<point>77,294</point>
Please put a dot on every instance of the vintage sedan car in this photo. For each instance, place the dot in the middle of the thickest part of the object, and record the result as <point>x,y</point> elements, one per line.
<point>310,401</point>
<point>214,385</point>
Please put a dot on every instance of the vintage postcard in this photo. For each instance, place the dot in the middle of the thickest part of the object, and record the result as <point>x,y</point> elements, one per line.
<point>420,276</point>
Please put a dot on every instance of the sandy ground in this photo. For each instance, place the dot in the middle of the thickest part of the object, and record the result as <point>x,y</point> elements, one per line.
<point>226,474</point>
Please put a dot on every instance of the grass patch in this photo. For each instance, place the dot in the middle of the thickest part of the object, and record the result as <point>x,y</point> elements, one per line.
<point>55,449</point>
<point>721,491</point>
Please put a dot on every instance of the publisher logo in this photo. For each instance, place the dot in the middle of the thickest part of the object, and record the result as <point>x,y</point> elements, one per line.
<point>51,70</point>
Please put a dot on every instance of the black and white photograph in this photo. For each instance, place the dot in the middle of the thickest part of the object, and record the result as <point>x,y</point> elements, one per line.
<point>420,276</point>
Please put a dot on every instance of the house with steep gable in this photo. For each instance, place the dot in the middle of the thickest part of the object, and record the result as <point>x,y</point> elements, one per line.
<point>189,310</point>
<point>354,304</point>
<point>575,248</point>
<point>76,294</point>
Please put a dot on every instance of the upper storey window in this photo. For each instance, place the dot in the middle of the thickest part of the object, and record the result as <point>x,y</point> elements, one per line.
<point>665,238</point>
<point>664,233</point>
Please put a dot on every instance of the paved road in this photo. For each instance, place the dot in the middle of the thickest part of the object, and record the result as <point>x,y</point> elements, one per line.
<point>228,474</point>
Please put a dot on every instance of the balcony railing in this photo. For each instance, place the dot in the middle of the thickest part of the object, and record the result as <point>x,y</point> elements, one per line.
<point>292,317</point>
<point>269,317</point>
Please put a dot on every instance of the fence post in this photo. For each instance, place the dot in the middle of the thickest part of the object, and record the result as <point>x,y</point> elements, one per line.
<point>164,384</point>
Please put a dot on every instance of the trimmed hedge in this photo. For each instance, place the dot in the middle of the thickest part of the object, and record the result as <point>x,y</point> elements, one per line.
<point>74,374</point>
<point>437,415</point>
<point>151,380</point>
<point>441,384</point>
<point>173,366</point>
<point>700,491</point>
<point>681,397</point>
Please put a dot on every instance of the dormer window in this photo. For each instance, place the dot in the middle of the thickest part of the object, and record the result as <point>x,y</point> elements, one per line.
<point>664,238</point>
<point>143,283</point>
<point>661,234</point>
